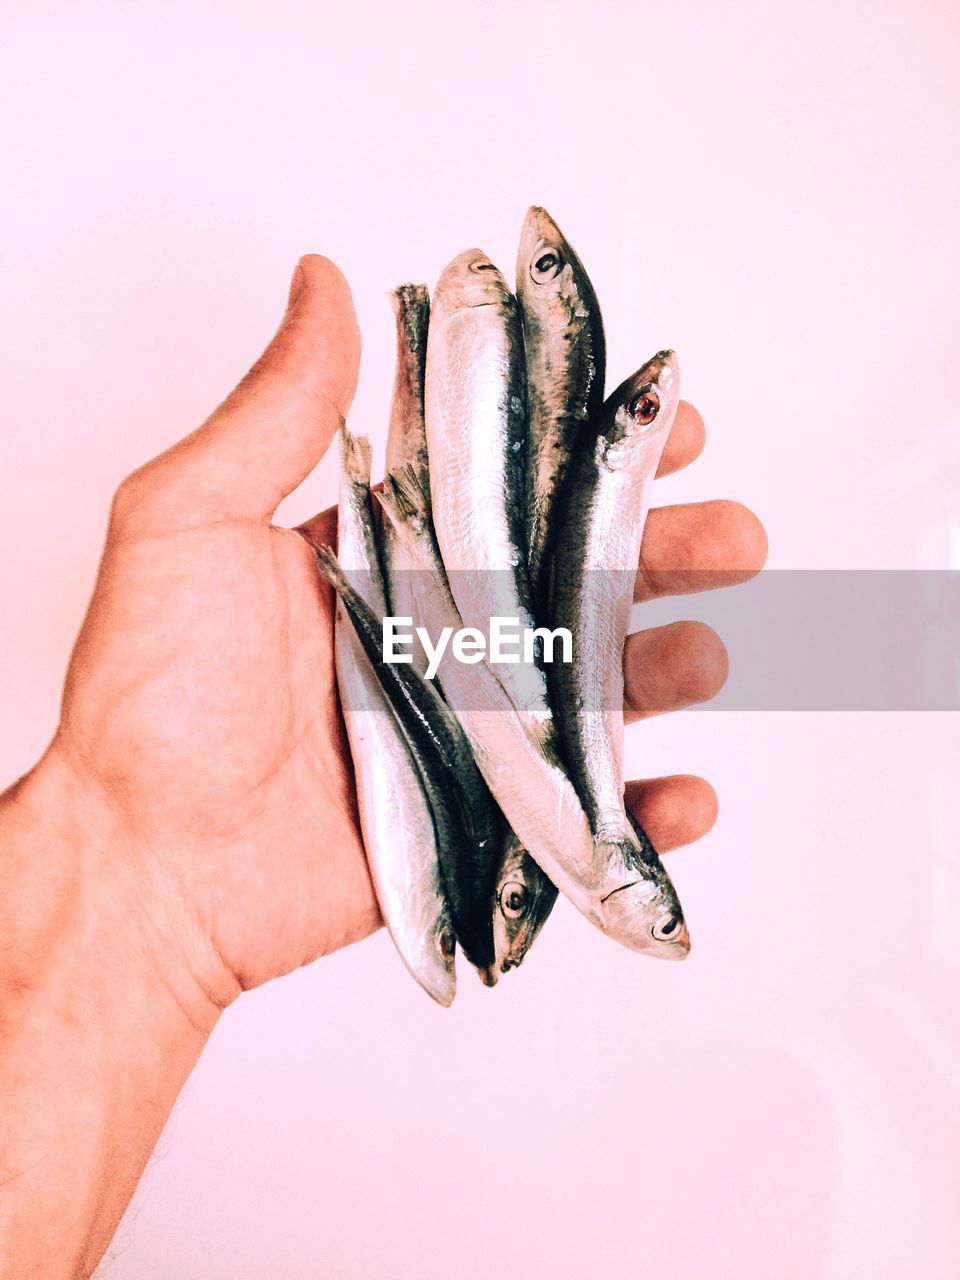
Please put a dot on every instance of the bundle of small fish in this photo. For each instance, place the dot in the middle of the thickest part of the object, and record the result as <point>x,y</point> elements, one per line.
<point>513,490</point>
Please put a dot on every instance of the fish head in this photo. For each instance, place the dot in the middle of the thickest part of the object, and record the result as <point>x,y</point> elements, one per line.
<point>552,283</point>
<point>470,280</point>
<point>645,915</point>
<point>639,414</point>
<point>523,900</point>
<point>434,965</point>
<point>544,261</point>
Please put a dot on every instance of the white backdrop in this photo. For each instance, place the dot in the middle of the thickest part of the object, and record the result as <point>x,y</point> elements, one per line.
<point>771,189</point>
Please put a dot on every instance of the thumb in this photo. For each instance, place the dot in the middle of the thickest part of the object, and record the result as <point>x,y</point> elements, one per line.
<point>275,426</point>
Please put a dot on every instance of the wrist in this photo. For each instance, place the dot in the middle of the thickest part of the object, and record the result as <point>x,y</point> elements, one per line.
<point>76,887</point>
<point>102,1023</point>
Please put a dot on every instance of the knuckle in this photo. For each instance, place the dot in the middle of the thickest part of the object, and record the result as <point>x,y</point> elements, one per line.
<point>133,494</point>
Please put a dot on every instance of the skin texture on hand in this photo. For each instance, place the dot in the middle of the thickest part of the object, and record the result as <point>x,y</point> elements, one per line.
<point>201,697</point>
<point>192,830</point>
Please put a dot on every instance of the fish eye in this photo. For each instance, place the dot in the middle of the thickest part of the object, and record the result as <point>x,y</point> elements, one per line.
<point>645,406</point>
<point>667,927</point>
<point>513,899</point>
<point>546,265</point>
<point>482,266</point>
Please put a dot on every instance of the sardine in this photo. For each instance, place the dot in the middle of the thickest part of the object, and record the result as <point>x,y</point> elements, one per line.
<point>476,420</point>
<point>407,442</point>
<point>595,566</point>
<point>529,783</point>
<point>523,894</point>
<point>515,924</point>
<point>565,360</point>
<point>395,818</point>
<point>565,357</point>
<point>465,815</point>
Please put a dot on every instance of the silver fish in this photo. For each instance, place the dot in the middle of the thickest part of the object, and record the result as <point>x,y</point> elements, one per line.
<point>529,783</point>
<point>407,442</point>
<point>395,817</point>
<point>476,418</point>
<point>523,894</point>
<point>565,356</point>
<point>465,817</point>
<point>518,915</point>
<point>597,552</point>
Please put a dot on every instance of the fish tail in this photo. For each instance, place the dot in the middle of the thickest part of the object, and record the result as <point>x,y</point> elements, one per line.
<point>355,456</point>
<point>329,566</point>
<point>410,300</point>
<point>405,498</point>
<point>406,436</point>
<point>389,504</point>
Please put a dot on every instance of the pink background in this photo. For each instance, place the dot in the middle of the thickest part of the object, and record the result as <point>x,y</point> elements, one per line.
<point>773,190</point>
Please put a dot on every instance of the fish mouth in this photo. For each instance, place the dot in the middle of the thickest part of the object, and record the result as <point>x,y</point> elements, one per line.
<point>441,989</point>
<point>622,889</point>
<point>507,955</point>
<point>470,280</point>
<point>538,225</point>
<point>539,235</point>
<point>515,959</point>
<point>661,368</point>
<point>633,920</point>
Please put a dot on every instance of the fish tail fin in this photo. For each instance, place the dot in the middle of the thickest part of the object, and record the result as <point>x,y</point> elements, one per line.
<point>391,507</point>
<point>406,436</point>
<point>330,567</point>
<point>414,484</point>
<point>366,621</point>
<point>405,498</point>
<point>355,456</point>
<point>409,300</point>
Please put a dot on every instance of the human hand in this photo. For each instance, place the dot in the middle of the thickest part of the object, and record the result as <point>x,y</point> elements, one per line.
<point>200,705</point>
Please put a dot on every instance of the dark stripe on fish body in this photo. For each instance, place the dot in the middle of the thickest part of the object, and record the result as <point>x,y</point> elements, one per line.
<point>469,864</point>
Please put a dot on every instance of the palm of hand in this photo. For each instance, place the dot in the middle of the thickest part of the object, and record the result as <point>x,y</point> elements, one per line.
<point>202,695</point>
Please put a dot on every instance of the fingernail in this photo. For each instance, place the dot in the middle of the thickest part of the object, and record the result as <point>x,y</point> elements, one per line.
<point>296,284</point>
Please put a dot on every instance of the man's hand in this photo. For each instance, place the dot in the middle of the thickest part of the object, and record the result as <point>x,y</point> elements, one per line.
<point>192,830</point>
<point>201,698</point>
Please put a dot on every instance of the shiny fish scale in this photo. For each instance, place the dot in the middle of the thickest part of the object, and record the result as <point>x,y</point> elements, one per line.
<point>597,552</point>
<point>475,435</point>
<point>406,499</point>
<point>395,819</point>
<point>467,820</point>
<point>407,443</point>
<point>530,785</point>
<point>565,355</point>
